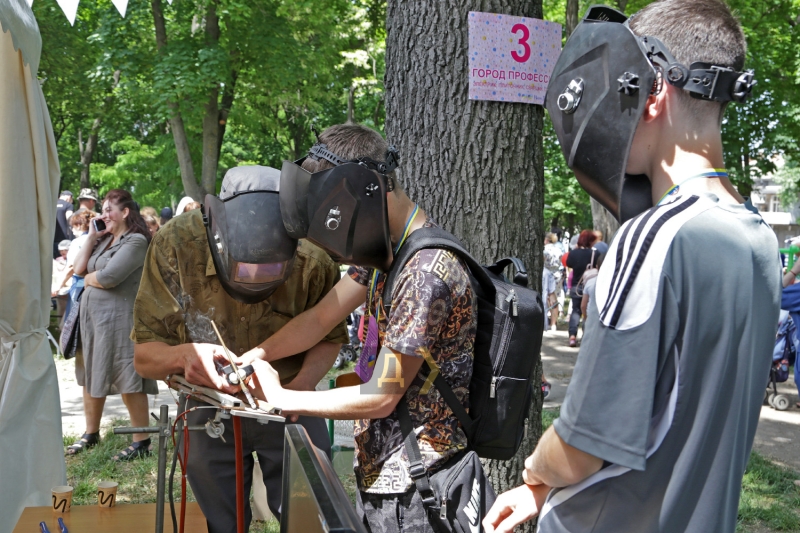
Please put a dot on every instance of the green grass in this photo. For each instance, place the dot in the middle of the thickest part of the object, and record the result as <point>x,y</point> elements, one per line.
<point>770,499</point>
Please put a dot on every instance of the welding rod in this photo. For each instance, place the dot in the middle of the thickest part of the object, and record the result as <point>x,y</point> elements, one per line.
<point>245,390</point>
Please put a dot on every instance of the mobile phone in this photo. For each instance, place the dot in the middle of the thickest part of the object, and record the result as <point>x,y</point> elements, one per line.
<point>99,225</point>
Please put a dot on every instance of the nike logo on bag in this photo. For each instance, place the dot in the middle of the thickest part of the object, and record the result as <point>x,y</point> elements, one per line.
<point>472,509</point>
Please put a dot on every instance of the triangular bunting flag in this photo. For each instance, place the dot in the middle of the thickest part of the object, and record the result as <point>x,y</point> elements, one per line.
<point>70,9</point>
<point>121,5</point>
<point>30,3</point>
<point>168,1</point>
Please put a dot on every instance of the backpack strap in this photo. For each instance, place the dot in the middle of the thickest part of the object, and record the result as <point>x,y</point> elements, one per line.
<point>417,468</point>
<point>421,239</point>
<point>432,238</point>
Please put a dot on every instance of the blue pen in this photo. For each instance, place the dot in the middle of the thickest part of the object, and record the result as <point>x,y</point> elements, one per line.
<point>43,527</point>
<point>62,526</point>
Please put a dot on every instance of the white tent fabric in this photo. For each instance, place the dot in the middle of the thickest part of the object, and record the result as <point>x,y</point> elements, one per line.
<point>32,456</point>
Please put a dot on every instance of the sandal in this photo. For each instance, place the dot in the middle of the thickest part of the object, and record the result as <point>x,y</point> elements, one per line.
<point>134,451</point>
<point>87,440</point>
<point>573,342</point>
<point>545,388</point>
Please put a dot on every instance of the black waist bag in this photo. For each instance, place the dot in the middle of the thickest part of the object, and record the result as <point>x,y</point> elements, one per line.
<point>507,345</point>
<point>458,495</point>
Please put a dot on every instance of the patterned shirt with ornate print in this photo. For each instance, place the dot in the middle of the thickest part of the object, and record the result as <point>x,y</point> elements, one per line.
<point>432,312</point>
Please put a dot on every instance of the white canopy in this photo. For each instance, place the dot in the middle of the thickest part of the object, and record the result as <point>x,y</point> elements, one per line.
<point>31,449</point>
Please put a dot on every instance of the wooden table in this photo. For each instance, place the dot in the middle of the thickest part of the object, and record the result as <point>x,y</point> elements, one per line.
<point>122,518</point>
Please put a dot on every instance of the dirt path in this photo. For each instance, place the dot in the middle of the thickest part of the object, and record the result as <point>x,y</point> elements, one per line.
<point>778,433</point>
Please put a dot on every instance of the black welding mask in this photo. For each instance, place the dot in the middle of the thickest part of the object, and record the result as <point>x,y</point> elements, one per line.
<point>252,252</point>
<point>342,209</point>
<point>597,95</point>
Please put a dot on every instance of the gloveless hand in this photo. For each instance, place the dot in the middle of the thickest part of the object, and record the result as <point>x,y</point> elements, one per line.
<point>199,367</point>
<point>514,507</point>
<point>267,383</point>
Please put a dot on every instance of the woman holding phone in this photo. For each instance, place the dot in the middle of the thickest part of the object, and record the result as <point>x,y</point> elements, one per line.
<point>111,262</point>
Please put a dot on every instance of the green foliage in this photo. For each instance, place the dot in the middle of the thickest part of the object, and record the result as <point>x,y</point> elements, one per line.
<point>278,67</point>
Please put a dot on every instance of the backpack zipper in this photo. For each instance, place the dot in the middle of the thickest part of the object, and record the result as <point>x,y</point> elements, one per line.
<point>512,299</point>
<point>451,477</point>
<point>525,434</point>
<point>493,387</point>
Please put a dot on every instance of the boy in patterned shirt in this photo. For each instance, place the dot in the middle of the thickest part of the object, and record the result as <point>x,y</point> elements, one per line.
<point>432,317</point>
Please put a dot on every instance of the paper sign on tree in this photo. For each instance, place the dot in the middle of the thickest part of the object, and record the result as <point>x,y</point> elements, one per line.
<point>511,58</point>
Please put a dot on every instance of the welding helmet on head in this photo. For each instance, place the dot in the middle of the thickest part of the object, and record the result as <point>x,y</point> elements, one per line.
<point>597,95</point>
<point>342,209</point>
<point>252,252</point>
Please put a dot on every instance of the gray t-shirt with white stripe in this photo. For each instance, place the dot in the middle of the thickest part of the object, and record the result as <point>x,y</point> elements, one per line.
<point>670,378</point>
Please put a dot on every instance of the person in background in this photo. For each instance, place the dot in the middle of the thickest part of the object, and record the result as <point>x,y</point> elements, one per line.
<point>589,285</point>
<point>87,199</point>
<point>64,209</point>
<point>579,259</point>
<point>166,215</point>
<point>552,278</point>
<point>58,280</point>
<point>182,205</point>
<point>148,211</point>
<point>79,225</point>
<point>152,224</point>
<point>599,245</point>
<point>191,206</point>
<point>111,262</point>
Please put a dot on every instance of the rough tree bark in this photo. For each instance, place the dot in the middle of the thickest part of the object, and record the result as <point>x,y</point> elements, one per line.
<point>604,221</point>
<point>215,117</point>
<point>475,167</point>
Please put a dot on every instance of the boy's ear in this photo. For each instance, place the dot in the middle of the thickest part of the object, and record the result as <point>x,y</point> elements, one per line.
<point>656,103</point>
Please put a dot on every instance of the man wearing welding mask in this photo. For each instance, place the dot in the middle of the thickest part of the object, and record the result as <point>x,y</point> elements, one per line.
<point>646,441</point>
<point>232,262</point>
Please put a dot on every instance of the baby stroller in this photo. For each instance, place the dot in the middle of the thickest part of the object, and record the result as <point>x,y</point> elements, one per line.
<point>350,352</point>
<point>783,356</point>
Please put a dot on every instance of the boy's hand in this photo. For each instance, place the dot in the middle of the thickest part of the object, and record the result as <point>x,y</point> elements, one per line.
<point>515,507</point>
<point>266,384</point>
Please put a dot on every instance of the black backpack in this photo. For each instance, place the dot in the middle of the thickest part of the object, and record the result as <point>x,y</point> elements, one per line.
<point>507,344</point>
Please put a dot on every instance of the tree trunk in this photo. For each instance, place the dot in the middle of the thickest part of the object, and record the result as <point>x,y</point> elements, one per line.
<point>622,4</point>
<point>476,167</point>
<point>87,152</point>
<point>571,17</point>
<point>604,221</point>
<point>211,140</point>
<point>188,178</point>
<point>351,104</point>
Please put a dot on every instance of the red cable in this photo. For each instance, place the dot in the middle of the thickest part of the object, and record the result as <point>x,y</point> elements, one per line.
<point>237,439</point>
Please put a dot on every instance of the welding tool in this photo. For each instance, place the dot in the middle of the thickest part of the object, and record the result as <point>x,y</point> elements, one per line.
<point>245,390</point>
<point>233,377</point>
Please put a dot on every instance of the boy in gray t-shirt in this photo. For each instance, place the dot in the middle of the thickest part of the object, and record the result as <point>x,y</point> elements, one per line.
<point>660,415</point>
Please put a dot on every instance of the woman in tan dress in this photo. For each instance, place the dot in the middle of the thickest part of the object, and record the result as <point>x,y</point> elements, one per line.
<point>111,261</point>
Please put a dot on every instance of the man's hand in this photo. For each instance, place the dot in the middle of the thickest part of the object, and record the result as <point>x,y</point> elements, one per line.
<point>199,367</point>
<point>515,507</point>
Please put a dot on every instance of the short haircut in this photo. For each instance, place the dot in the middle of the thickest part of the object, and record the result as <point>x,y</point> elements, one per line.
<point>695,30</point>
<point>349,141</point>
<point>80,219</point>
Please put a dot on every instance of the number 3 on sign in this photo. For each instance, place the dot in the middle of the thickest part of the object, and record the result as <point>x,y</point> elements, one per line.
<point>521,58</point>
